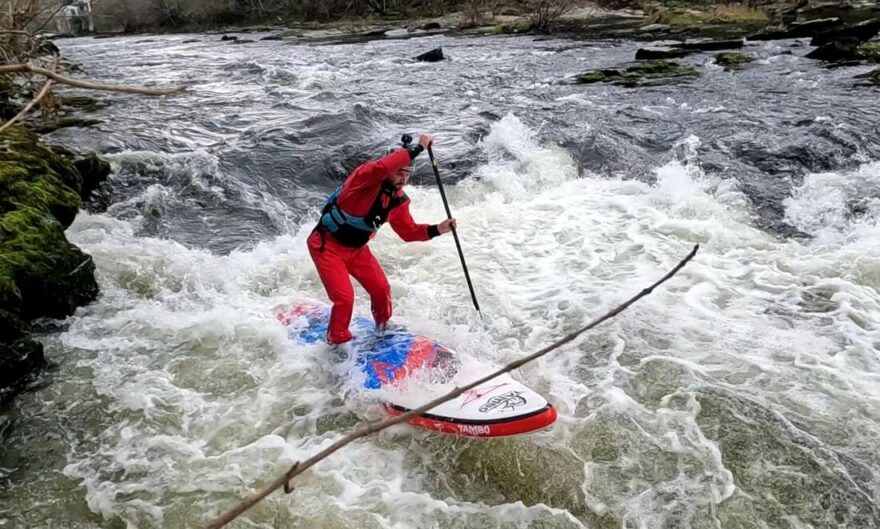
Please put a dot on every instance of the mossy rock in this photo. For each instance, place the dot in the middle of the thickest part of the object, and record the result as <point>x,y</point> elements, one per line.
<point>732,60</point>
<point>41,273</point>
<point>870,51</point>
<point>637,73</point>
<point>596,76</point>
<point>661,69</point>
<point>870,78</point>
<point>46,177</point>
<point>52,275</point>
<point>92,170</point>
<point>513,28</point>
<point>31,174</point>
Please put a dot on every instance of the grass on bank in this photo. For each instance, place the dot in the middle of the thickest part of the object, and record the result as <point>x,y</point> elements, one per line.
<point>740,14</point>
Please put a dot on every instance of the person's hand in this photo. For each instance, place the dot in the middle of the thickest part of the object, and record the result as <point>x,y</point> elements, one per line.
<point>425,140</point>
<point>446,226</point>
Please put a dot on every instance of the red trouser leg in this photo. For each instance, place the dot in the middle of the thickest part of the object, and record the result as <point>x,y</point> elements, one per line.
<point>331,264</point>
<point>367,270</point>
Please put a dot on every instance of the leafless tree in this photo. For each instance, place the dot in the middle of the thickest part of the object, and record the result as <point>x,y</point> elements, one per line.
<point>472,12</point>
<point>545,14</point>
<point>130,14</point>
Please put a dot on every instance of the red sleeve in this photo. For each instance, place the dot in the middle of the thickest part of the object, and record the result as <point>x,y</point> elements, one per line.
<point>404,226</point>
<point>382,168</point>
<point>360,188</point>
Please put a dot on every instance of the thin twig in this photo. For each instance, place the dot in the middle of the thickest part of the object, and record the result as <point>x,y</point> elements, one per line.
<point>367,429</point>
<point>29,106</point>
<point>23,68</point>
<point>50,18</point>
<point>25,110</point>
<point>5,55</point>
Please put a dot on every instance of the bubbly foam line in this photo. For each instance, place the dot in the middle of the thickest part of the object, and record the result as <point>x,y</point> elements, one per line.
<point>835,206</point>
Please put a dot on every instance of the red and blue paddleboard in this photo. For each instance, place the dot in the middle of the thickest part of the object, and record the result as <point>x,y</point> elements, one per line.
<point>497,408</point>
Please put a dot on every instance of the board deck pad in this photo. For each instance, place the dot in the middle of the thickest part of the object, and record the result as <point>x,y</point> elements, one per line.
<point>394,363</point>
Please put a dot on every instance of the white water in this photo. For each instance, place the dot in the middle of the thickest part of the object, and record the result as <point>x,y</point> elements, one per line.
<point>198,397</point>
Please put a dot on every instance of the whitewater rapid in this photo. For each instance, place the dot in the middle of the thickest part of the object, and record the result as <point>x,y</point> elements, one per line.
<point>743,393</point>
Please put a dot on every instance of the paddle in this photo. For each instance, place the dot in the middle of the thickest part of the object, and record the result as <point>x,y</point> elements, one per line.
<point>454,233</point>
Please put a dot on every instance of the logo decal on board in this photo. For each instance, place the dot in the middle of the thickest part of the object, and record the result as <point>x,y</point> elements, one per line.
<point>508,402</point>
<point>474,429</point>
<point>478,393</point>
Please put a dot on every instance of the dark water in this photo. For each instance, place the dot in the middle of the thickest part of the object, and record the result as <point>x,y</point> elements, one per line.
<point>286,120</point>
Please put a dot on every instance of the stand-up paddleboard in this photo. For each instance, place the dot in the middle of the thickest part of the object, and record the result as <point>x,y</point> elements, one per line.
<point>497,408</point>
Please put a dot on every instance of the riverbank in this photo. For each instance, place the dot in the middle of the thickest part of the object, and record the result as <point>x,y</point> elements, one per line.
<point>635,21</point>
<point>842,30</point>
<point>42,188</point>
<point>843,36</point>
<point>42,275</point>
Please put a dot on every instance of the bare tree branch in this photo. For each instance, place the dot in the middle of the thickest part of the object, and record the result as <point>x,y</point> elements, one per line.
<point>49,18</point>
<point>40,11</point>
<point>371,428</point>
<point>27,68</point>
<point>25,110</point>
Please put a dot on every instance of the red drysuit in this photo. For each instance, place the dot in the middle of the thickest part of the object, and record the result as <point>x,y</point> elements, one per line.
<point>336,256</point>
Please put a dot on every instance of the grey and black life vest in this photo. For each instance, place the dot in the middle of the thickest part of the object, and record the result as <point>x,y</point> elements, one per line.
<point>354,231</point>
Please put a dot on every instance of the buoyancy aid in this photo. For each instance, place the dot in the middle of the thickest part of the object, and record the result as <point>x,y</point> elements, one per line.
<point>354,231</point>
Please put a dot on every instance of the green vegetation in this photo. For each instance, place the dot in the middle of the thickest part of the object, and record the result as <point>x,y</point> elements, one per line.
<point>870,51</point>
<point>732,60</point>
<point>41,273</point>
<point>512,28</point>
<point>638,73</point>
<point>721,14</point>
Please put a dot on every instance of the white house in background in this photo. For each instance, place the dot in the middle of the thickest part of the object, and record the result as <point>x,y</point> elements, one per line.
<point>75,17</point>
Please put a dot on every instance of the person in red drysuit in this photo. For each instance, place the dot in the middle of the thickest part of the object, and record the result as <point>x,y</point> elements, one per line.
<point>371,195</point>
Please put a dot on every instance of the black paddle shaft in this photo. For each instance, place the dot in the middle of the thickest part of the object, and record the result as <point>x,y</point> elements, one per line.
<point>454,233</point>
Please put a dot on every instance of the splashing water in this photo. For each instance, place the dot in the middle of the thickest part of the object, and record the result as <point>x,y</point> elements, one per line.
<point>742,394</point>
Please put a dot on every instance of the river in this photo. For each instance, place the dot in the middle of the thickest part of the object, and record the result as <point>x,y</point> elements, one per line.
<point>745,393</point>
